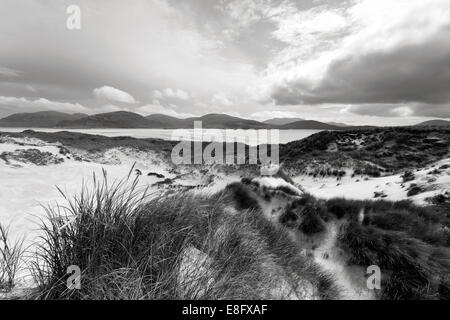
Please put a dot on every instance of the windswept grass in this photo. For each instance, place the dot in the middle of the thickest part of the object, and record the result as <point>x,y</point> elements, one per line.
<point>93,227</point>
<point>10,259</point>
<point>411,243</point>
<point>428,223</point>
<point>131,245</point>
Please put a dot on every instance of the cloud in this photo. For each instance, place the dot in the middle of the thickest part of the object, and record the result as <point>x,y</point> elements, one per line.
<point>381,53</point>
<point>413,73</point>
<point>8,72</point>
<point>157,108</point>
<point>401,110</point>
<point>167,49</point>
<point>176,93</point>
<point>269,114</point>
<point>110,93</point>
<point>170,96</point>
<point>41,104</point>
<point>222,99</point>
<point>157,94</point>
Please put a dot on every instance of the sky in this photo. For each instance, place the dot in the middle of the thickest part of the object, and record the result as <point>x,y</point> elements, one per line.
<point>384,62</point>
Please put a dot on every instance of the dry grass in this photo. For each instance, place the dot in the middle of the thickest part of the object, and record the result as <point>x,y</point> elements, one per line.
<point>10,260</point>
<point>130,245</point>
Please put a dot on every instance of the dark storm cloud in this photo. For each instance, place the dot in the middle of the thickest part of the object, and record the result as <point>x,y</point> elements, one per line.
<point>395,110</point>
<point>409,74</point>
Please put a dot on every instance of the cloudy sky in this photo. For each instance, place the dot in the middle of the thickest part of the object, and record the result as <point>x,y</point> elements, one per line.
<point>356,61</point>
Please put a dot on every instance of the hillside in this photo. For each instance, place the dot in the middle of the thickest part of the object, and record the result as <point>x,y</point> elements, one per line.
<point>118,119</point>
<point>224,121</point>
<point>309,124</point>
<point>224,245</point>
<point>436,122</point>
<point>166,121</point>
<point>42,119</point>
<point>371,151</point>
<point>338,124</point>
<point>282,121</point>
<point>211,121</point>
<point>279,122</point>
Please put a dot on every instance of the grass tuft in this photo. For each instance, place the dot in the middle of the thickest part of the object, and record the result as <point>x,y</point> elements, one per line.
<point>10,260</point>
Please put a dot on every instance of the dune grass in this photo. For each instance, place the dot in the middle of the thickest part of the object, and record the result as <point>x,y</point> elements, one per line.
<point>411,242</point>
<point>426,223</point>
<point>132,245</point>
<point>11,254</point>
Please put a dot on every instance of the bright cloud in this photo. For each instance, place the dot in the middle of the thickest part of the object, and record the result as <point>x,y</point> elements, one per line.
<point>171,93</point>
<point>157,108</point>
<point>113,94</point>
<point>41,104</point>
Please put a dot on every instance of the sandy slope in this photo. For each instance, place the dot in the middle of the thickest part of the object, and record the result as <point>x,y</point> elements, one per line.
<point>393,187</point>
<point>25,186</point>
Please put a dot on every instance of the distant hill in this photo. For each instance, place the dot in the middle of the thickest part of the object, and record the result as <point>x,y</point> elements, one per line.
<point>338,124</point>
<point>224,121</point>
<point>166,121</point>
<point>282,121</point>
<point>122,119</point>
<point>118,119</point>
<point>309,124</point>
<point>436,122</point>
<point>42,119</point>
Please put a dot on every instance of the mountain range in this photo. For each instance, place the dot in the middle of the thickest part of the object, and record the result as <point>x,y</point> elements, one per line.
<point>125,119</point>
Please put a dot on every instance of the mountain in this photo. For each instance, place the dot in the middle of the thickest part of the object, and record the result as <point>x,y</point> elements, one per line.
<point>42,119</point>
<point>282,121</point>
<point>117,119</point>
<point>224,121</point>
<point>338,124</point>
<point>166,121</point>
<point>309,124</point>
<point>436,122</point>
<point>124,119</point>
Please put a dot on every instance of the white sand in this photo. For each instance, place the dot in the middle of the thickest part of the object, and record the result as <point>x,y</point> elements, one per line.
<point>24,189</point>
<point>349,188</point>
